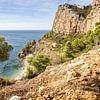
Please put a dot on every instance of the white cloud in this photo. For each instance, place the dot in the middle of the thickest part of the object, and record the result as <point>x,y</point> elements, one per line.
<point>23,26</point>
<point>30,14</point>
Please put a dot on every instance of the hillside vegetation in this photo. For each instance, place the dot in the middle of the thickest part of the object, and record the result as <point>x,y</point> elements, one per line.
<point>57,48</point>
<point>82,12</point>
<point>74,44</point>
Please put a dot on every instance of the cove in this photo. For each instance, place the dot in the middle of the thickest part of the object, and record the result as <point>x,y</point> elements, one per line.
<point>18,39</point>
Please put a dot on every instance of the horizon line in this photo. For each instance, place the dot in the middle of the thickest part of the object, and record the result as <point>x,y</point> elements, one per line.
<point>24,29</point>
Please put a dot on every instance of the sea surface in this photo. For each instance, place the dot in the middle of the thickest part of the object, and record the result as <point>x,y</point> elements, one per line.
<point>18,39</point>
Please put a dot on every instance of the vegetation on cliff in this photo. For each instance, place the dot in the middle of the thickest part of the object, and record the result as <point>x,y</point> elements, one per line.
<point>84,43</point>
<point>5,48</point>
<point>85,11</point>
<point>60,48</point>
<point>82,12</point>
<point>74,44</point>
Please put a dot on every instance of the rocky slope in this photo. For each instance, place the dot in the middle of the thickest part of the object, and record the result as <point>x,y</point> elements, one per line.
<point>78,79</point>
<point>72,19</point>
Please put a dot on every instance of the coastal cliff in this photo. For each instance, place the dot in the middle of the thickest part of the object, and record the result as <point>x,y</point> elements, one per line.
<point>74,32</point>
<point>73,49</point>
<point>93,17</point>
<point>75,19</point>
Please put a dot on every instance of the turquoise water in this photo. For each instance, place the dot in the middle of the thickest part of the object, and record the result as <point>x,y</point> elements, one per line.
<point>17,39</point>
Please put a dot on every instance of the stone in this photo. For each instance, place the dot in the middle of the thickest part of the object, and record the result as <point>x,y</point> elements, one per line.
<point>54,45</point>
<point>41,88</point>
<point>15,98</point>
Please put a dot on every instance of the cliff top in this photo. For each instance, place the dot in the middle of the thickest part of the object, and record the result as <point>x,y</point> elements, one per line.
<point>80,10</point>
<point>96,2</point>
<point>75,19</point>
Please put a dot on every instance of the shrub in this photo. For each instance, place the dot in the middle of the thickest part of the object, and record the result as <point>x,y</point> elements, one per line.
<point>5,48</point>
<point>78,45</point>
<point>31,72</point>
<point>39,63</point>
<point>2,39</point>
<point>75,44</point>
<point>30,60</point>
<point>68,50</point>
<point>98,23</point>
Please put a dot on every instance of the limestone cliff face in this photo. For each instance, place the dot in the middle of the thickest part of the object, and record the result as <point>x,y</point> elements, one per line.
<point>66,20</point>
<point>72,19</point>
<point>93,17</point>
<point>96,2</point>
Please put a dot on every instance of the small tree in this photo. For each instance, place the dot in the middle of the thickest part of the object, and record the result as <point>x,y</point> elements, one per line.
<point>78,45</point>
<point>39,63</point>
<point>31,72</point>
<point>68,50</point>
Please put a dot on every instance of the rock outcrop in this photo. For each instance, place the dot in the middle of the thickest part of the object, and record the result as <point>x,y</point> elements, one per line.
<point>67,20</point>
<point>96,2</point>
<point>28,49</point>
<point>78,79</point>
<point>72,19</point>
<point>93,17</point>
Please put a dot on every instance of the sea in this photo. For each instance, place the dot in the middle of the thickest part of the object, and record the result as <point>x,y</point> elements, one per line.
<point>18,39</point>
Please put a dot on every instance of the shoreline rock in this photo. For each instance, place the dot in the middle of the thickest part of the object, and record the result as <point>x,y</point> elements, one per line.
<point>28,49</point>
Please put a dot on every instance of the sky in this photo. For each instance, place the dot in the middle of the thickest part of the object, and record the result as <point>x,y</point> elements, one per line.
<point>31,14</point>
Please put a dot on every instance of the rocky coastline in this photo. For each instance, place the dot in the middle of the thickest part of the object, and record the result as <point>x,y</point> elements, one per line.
<point>74,77</point>
<point>47,45</point>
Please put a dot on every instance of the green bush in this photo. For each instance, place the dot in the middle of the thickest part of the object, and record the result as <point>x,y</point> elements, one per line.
<point>78,45</point>
<point>31,72</point>
<point>5,48</point>
<point>83,43</point>
<point>68,50</point>
<point>60,39</point>
<point>98,23</point>
<point>39,63</point>
<point>30,60</point>
<point>2,39</point>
